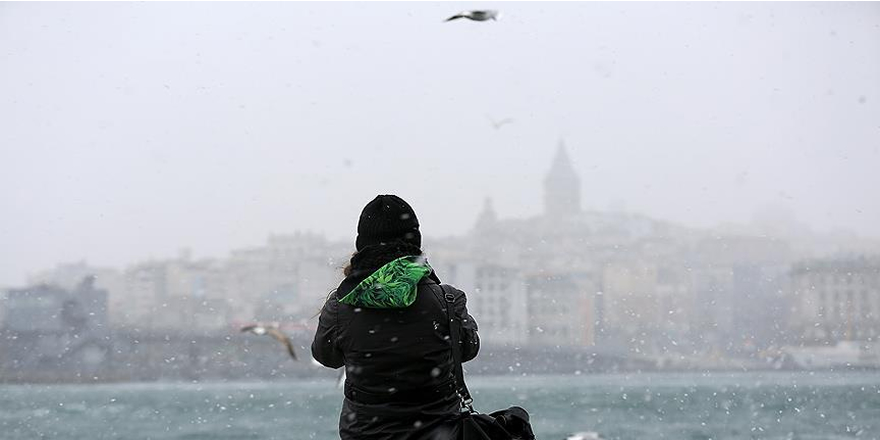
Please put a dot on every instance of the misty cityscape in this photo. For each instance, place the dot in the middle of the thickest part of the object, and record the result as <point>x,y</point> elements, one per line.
<point>661,216</point>
<point>593,290</point>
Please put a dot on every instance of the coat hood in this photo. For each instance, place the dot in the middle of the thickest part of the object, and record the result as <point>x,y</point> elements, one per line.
<point>392,286</point>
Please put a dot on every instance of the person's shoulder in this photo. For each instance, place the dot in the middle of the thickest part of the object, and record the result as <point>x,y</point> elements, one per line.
<point>442,288</point>
<point>456,292</point>
<point>451,287</point>
<point>332,301</point>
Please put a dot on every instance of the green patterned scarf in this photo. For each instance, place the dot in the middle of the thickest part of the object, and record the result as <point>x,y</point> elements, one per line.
<point>393,286</point>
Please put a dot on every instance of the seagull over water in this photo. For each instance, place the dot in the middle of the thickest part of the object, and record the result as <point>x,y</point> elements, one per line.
<point>273,332</point>
<point>477,15</point>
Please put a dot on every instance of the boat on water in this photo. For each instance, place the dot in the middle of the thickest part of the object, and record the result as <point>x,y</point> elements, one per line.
<point>845,354</point>
<point>584,435</point>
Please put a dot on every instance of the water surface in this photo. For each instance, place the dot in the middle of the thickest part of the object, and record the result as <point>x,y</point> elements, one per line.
<point>683,406</point>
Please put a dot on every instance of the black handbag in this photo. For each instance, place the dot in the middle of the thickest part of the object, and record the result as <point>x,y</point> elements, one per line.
<point>507,424</point>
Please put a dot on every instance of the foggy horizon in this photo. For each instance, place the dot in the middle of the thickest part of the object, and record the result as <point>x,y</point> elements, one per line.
<point>135,130</point>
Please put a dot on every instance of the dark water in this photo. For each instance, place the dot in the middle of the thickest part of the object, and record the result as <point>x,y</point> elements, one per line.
<point>639,406</point>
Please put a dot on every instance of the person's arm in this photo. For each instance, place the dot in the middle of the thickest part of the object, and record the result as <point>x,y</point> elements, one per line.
<point>324,348</point>
<point>470,340</point>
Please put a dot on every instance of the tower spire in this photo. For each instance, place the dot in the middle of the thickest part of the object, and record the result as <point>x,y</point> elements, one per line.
<point>562,186</point>
<point>487,218</point>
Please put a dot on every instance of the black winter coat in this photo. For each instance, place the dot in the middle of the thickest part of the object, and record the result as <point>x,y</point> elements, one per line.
<point>398,362</point>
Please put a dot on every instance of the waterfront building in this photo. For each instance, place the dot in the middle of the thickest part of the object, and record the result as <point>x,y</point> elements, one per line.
<point>48,327</point>
<point>836,299</point>
<point>69,276</point>
<point>287,279</point>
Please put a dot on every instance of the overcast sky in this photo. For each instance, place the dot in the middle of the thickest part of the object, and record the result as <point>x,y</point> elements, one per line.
<point>130,130</point>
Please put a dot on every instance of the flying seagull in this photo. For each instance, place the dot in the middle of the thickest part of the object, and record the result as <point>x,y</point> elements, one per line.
<point>479,15</point>
<point>273,332</point>
<point>498,124</point>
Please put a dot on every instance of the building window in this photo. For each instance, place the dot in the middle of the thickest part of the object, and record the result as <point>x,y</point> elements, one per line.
<point>836,305</point>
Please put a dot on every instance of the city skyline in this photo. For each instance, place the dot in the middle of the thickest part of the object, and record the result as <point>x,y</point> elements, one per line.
<point>636,290</point>
<point>183,252</point>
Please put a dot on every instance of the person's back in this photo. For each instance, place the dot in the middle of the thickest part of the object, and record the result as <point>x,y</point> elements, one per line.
<point>387,324</point>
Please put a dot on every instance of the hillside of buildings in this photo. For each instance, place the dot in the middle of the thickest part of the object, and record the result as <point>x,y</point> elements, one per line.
<point>570,290</point>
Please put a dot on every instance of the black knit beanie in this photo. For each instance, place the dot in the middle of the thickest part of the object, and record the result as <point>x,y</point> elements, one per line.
<point>386,219</point>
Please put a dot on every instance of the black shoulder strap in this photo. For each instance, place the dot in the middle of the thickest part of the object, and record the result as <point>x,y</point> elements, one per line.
<point>455,341</point>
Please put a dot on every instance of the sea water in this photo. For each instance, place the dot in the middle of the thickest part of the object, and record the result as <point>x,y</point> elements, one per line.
<point>685,406</point>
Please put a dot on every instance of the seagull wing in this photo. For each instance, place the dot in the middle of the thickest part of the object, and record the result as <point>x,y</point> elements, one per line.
<point>504,121</point>
<point>281,337</point>
<point>456,17</point>
<point>498,124</point>
<point>249,328</point>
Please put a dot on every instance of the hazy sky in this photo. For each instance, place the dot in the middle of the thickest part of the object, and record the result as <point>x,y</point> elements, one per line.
<point>130,130</point>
